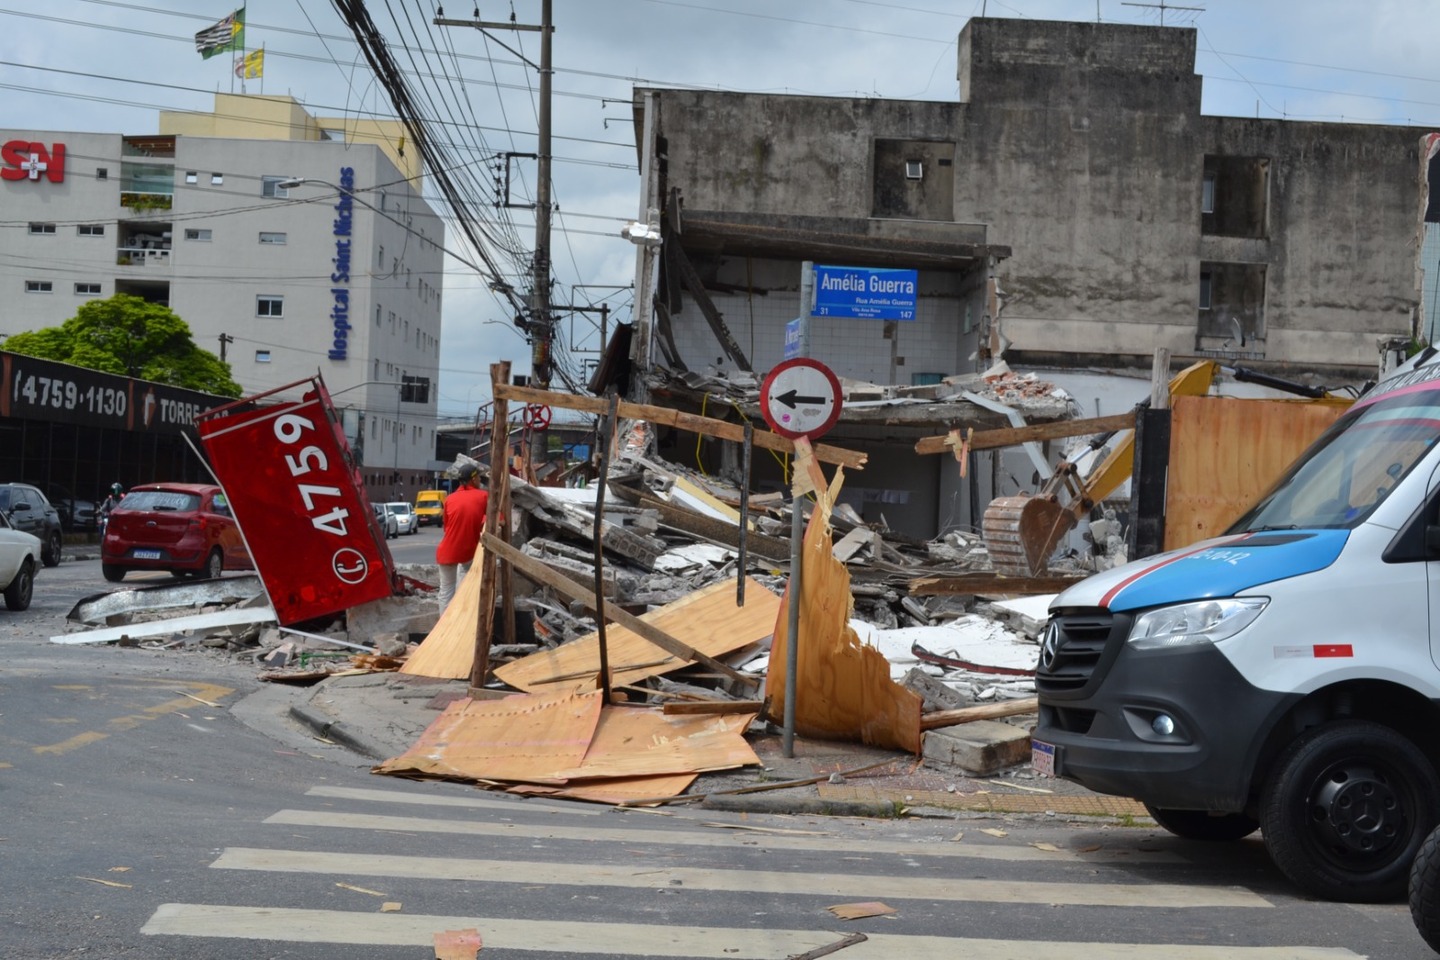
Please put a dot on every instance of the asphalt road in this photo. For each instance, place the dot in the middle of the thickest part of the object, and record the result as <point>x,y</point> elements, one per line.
<point>153,804</point>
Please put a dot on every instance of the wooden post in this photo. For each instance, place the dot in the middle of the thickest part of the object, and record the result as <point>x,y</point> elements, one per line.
<point>607,438</point>
<point>499,475</point>
<point>742,561</point>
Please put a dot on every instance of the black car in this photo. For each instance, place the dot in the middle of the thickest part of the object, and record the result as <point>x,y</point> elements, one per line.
<point>27,509</point>
<point>76,515</point>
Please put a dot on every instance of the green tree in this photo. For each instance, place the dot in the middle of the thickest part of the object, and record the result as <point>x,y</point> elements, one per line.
<point>134,338</point>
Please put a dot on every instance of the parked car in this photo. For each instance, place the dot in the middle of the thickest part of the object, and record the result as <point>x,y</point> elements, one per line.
<point>388,524</point>
<point>76,515</point>
<point>404,517</point>
<point>19,559</point>
<point>29,512</point>
<point>185,528</point>
<point>430,507</point>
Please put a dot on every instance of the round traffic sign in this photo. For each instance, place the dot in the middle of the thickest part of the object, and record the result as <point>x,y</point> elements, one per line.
<point>801,398</point>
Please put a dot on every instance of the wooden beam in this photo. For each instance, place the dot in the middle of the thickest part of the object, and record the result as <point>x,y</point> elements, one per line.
<point>688,707</point>
<point>499,481</point>
<point>666,416</point>
<point>1014,436</point>
<point>988,583</point>
<point>574,590</point>
<point>696,286</point>
<point>988,711</point>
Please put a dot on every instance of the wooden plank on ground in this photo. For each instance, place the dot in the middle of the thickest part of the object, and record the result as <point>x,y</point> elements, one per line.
<point>707,621</point>
<point>989,584</point>
<point>448,650</point>
<point>984,711</point>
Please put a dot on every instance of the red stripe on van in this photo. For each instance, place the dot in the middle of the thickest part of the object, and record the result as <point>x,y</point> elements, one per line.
<point>1105,600</point>
<point>1334,650</point>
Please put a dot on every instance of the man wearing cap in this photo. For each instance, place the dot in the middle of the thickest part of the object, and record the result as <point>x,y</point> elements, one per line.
<point>463,522</point>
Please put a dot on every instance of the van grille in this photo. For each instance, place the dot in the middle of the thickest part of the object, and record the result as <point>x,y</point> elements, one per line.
<point>1072,648</point>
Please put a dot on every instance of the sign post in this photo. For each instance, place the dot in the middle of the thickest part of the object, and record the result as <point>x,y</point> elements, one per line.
<point>801,398</point>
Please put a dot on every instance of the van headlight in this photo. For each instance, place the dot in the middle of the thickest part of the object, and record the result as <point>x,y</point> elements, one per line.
<point>1205,621</point>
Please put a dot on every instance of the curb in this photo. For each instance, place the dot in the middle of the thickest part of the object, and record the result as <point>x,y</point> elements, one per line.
<point>804,806</point>
<point>334,730</point>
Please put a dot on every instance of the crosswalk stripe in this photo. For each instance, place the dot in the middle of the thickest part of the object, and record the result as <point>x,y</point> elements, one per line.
<point>645,876</point>
<point>439,800</point>
<point>649,940</point>
<point>718,837</point>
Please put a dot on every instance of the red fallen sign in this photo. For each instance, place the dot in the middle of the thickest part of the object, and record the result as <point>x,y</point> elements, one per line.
<point>296,491</point>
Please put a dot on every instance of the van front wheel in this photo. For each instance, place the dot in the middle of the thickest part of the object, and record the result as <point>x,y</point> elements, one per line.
<point>1346,808</point>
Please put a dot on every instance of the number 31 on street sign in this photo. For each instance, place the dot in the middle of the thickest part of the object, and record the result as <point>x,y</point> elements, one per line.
<point>801,398</point>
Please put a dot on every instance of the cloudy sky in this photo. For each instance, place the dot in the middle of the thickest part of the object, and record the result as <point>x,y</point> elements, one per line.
<point>107,66</point>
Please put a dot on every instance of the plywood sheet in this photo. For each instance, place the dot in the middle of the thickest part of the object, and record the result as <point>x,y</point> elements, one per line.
<point>524,738</point>
<point>643,741</point>
<point>1226,453</point>
<point>707,620</point>
<point>641,791</point>
<point>448,651</point>
<point>843,687</point>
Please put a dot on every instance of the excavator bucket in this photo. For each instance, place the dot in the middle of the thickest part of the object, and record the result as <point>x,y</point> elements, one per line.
<point>1022,531</point>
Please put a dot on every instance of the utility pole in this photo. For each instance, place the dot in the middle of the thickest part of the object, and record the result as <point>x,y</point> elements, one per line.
<point>541,322</point>
<point>224,339</point>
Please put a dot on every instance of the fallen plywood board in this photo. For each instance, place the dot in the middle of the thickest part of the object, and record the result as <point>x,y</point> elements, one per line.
<point>448,650</point>
<point>519,738</point>
<point>569,745</point>
<point>707,620</point>
<point>843,689</point>
<point>234,616</point>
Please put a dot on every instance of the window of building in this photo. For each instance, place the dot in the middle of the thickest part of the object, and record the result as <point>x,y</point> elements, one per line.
<point>278,239</point>
<point>377,316</point>
<point>39,286</point>
<point>1235,197</point>
<point>262,356</point>
<point>217,179</point>
<point>270,187</point>
<point>87,289</point>
<point>192,176</point>
<point>102,173</point>
<point>42,228</point>
<point>1231,308</point>
<point>914,170</point>
<point>380,256</point>
<point>90,229</point>
<point>198,233</point>
<point>270,305</point>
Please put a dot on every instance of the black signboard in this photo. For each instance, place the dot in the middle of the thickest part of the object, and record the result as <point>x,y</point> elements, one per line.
<point>35,389</point>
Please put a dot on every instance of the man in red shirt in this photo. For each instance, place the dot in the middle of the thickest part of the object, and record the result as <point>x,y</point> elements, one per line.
<point>463,522</point>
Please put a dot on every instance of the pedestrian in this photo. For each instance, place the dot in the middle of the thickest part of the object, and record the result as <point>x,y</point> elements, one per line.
<point>463,520</point>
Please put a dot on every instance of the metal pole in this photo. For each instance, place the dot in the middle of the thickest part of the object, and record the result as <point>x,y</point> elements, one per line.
<point>792,622</point>
<point>611,417</point>
<point>741,561</point>
<point>807,304</point>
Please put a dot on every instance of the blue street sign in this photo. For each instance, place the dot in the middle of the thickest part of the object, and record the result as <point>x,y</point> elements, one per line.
<point>865,293</point>
<point>792,338</point>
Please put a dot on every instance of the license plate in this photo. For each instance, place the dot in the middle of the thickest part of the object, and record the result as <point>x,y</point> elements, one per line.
<point>147,554</point>
<point>1042,758</point>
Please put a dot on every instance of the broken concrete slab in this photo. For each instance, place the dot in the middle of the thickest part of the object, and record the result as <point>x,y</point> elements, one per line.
<point>979,748</point>
<point>106,607</point>
<point>155,628</point>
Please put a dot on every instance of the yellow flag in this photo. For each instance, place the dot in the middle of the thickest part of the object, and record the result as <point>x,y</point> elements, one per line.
<point>250,66</point>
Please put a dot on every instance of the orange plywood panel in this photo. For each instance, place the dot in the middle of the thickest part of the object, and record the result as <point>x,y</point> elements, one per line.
<point>1226,453</point>
<point>448,651</point>
<point>643,741</point>
<point>707,620</point>
<point>843,687</point>
<point>525,738</point>
<point>637,791</point>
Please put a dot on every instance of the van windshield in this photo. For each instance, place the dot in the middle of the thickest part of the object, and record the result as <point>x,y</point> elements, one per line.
<point>1353,466</point>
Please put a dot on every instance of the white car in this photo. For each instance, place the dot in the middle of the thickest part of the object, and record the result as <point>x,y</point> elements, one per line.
<point>19,559</point>
<point>405,519</point>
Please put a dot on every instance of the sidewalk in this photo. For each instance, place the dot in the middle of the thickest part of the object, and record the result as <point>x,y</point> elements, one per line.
<point>379,715</point>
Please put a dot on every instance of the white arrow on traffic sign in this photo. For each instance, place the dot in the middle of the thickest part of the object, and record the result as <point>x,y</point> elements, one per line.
<point>801,398</point>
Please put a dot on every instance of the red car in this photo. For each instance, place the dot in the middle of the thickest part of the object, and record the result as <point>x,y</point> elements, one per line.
<point>185,528</point>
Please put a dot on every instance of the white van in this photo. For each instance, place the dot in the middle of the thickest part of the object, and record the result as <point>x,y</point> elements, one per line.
<point>1283,676</point>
